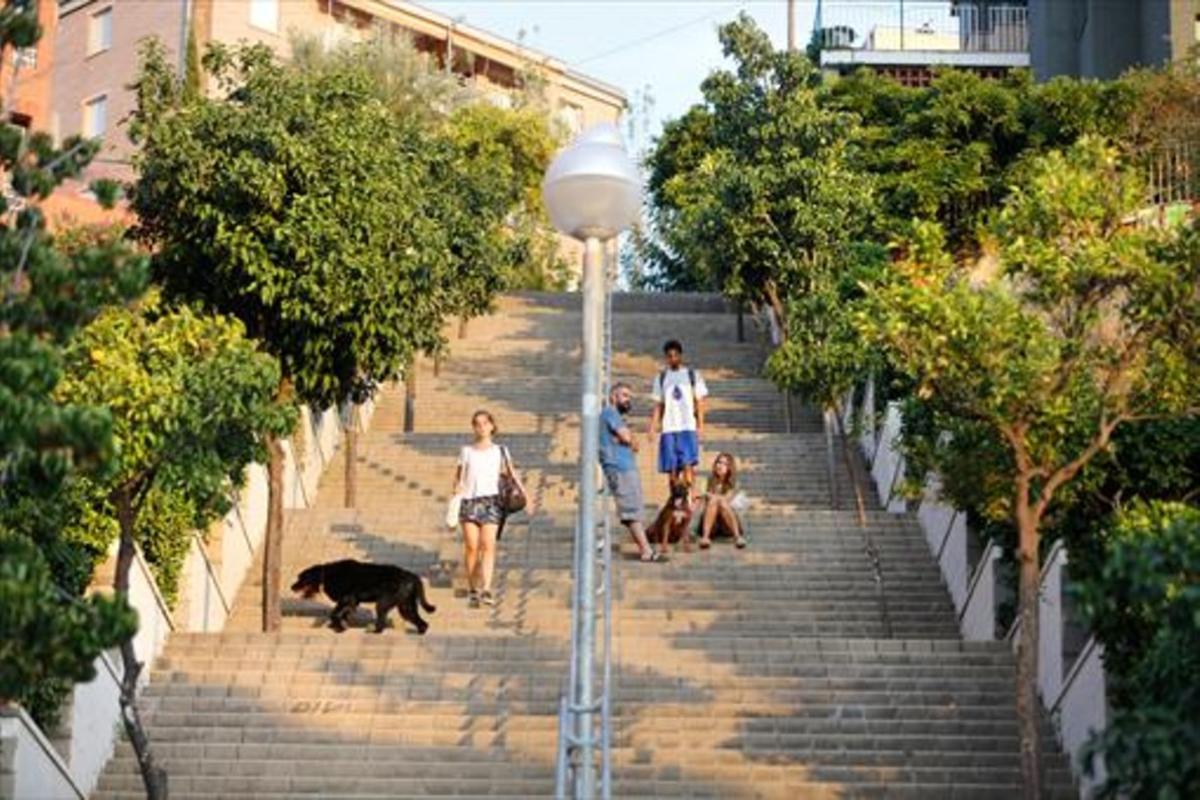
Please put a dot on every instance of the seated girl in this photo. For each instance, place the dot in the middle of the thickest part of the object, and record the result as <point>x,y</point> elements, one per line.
<point>719,514</point>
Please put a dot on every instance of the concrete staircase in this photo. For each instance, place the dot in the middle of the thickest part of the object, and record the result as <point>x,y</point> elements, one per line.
<point>767,672</point>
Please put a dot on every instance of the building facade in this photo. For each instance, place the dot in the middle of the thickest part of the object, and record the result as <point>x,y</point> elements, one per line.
<point>1103,38</point>
<point>95,50</point>
<point>26,74</point>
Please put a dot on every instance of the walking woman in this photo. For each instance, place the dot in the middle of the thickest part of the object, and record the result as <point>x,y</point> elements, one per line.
<point>718,503</point>
<point>477,481</point>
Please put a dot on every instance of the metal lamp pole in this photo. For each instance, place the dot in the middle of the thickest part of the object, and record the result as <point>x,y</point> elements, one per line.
<point>592,193</point>
<point>594,281</point>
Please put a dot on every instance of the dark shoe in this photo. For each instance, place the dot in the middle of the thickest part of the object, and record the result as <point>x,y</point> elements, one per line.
<point>473,599</point>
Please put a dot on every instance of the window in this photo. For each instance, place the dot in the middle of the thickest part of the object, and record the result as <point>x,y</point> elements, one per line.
<point>95,116</point>
<point>100,31</point>
<point>264,14</point>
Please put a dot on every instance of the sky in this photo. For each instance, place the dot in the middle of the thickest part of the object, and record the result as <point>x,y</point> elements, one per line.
<point>661,47</point>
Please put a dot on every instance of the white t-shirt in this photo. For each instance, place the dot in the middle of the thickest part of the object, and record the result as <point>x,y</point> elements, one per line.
<point>679,407</point>
<point>480,471</point>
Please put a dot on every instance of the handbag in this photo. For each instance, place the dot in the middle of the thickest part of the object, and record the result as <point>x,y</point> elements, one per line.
<point>512,499</point>
<point>452,509</point>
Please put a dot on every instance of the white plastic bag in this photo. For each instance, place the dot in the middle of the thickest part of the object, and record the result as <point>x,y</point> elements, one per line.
<point>740,503</point>
<point>452,509</point>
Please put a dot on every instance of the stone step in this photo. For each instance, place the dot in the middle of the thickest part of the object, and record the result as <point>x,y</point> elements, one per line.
<point>762,672</point>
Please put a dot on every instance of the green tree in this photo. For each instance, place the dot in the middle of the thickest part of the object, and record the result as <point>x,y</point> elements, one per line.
<point>485,165</point>
<point>946,152</point>
<point>1144,606</point>
<point>296,202</point>
<point>500,235</point>
<point>825,355</point>
<point>192,405</point>
<point>1082,322</point>
<point>50,636</point>
<point>757,187</point>
<point>47,640</point>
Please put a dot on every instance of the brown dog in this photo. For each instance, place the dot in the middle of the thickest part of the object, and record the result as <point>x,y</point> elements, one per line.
<point>674,521</point>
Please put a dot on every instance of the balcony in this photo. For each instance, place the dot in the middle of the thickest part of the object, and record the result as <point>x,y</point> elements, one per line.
<point>979,35</point>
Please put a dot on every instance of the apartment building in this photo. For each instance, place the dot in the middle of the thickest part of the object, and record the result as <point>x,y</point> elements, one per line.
<point>1103,38</point>
<point>95,52</point>
<point>908,40</point>
<point>26,74</point>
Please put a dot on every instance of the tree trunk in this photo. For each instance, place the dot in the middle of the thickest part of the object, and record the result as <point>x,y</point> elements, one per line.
<point>153,776</point>
<point>351,435</point>
<point>410,396</point>
<point>462,327</point>
<point>1028,713</point>
<point>273,545</point>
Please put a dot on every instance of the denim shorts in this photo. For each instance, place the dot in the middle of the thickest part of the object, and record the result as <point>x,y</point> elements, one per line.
<point>481,510</point>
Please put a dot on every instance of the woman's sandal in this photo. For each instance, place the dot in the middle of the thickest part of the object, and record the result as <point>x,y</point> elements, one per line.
<point>705,544</point>
<point>655,558</point>
<point>740,542</point>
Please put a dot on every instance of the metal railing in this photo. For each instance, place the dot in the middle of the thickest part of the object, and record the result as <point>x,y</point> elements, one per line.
<point>927,26</point>
<point>1173,173</point>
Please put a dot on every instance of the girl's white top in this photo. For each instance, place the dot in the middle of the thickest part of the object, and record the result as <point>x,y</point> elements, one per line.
<point>480,471</point>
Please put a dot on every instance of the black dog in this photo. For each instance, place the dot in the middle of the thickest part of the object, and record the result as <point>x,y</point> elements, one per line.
<point>351,582</point>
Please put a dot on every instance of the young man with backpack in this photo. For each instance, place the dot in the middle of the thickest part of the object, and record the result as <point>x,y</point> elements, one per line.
<point>679,394</point>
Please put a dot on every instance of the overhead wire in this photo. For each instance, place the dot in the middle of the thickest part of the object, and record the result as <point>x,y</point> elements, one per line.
<point>658,34</point>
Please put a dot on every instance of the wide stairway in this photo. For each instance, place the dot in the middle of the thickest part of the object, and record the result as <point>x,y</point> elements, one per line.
<point>775,671</point>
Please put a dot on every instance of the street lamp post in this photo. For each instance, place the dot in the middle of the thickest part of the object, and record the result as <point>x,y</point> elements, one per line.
<point>592,193</point>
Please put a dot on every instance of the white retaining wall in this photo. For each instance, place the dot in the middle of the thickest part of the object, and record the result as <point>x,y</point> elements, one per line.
<point>1073,693</point>
<point>29,764</point>
<point>210,578</point>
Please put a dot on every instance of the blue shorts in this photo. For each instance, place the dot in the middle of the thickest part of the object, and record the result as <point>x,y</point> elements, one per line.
<point>678,450</point>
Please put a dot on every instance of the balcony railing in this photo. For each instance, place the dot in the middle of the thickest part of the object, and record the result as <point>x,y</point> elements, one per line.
<point>922,26</point>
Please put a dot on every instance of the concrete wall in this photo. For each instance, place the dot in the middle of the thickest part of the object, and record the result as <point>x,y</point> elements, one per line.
<point>29,766</point>
<point>93,722</point>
